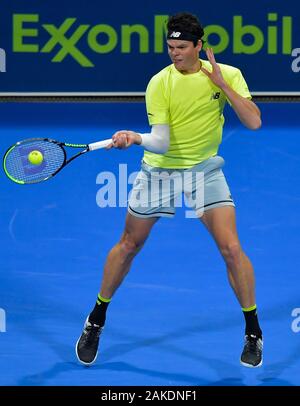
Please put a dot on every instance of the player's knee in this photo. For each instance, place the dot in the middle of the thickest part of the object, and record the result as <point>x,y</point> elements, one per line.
<point>231,252</point>
<point>129,245</point>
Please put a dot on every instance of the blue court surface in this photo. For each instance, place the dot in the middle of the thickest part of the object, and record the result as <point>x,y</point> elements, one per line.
<point>175,320</point>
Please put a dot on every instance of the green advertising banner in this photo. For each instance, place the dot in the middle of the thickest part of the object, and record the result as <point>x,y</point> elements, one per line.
<point>96,48</point>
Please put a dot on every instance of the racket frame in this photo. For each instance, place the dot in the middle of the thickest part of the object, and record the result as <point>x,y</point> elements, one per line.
<point>86,148</point>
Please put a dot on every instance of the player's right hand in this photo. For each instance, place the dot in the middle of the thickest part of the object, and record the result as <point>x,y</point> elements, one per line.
<point>124,139</point>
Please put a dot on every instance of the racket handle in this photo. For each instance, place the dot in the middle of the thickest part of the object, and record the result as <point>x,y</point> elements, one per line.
<point>100,144</point>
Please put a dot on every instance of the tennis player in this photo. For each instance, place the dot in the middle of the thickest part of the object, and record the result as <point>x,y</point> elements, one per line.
<point>185,103</point>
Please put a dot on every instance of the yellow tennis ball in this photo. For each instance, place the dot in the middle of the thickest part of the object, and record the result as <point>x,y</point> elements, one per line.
<point>35,157</point>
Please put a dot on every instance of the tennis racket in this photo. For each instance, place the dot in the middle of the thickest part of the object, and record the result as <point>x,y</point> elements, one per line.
<point>20,168</point>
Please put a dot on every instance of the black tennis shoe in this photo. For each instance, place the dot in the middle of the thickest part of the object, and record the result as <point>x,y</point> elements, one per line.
<point>252,353</point>
<point>87,344</point>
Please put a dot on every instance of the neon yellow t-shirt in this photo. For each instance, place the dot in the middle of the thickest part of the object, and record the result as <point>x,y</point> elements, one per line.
<point>193,107</point>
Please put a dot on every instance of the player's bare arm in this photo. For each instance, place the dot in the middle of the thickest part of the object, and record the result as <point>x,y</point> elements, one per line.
<point>246,110</point>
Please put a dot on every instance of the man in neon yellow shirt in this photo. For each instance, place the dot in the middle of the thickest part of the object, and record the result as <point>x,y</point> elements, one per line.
<point>185,103</point>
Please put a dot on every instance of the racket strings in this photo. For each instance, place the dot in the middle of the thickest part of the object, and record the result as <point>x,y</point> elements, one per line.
<point>19,167</point>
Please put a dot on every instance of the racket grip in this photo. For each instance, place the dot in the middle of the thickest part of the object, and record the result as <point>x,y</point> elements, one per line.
<point>99,144</point>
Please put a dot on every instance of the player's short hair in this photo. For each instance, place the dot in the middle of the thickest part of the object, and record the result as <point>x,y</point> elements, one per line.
<point>186,23</point>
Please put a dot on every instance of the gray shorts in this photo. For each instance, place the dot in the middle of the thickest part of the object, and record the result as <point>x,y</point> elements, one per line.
<point>157,192</point>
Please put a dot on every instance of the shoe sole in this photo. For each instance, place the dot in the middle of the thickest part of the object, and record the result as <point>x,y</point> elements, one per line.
<point>250,365</point>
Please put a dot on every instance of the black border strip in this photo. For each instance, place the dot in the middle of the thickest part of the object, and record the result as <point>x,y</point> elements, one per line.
<point>121,98</point>
<point>142,393</point>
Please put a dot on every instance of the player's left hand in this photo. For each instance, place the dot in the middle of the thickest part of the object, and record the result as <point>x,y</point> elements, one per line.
<point>215,75</point>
